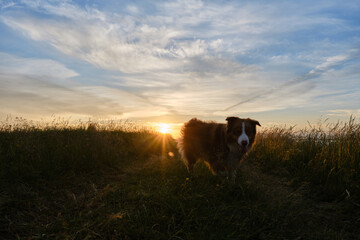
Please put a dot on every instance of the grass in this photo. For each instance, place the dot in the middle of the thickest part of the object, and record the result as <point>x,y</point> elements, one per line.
<point>327,156</point>
<point>118,181</point>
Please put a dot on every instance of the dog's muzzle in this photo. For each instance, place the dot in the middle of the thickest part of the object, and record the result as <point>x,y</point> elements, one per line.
<point>244,146</point>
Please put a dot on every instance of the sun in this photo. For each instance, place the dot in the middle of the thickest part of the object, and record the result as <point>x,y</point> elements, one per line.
<point>164,128</point>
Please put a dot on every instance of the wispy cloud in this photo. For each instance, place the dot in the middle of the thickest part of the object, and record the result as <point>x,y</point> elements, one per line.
<point>35,68</point>
<point>344,112</point>
<point>42,87</point>
<point>4,4</point>
<point>329,63</point>
<point>334,61</point>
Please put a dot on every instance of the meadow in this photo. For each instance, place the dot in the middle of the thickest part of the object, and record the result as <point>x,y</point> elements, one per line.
<point>117,180</point>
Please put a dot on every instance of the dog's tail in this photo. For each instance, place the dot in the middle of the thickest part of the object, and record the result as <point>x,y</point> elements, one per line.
<point>183,143</point>
<point>182,150</point>
<point>180,145</point>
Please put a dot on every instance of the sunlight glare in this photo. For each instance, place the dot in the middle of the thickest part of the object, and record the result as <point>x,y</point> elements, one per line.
<point>164,128</point>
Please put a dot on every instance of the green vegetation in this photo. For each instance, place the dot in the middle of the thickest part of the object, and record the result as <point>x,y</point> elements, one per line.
<point>121,181</point>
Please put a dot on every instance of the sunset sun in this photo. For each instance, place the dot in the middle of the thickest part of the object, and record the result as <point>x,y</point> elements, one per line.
<point>164,128</point>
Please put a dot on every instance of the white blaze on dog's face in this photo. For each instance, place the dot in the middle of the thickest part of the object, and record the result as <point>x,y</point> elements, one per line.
<point>241,132</point>
<point>243,139</point>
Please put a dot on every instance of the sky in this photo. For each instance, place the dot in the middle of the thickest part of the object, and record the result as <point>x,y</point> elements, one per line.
<point>280,62</point>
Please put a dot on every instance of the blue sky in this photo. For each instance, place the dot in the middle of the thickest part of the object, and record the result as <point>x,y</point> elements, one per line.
<point>281,62</point>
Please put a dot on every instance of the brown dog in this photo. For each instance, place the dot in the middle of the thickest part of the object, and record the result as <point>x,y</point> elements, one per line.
<point>221,145</point>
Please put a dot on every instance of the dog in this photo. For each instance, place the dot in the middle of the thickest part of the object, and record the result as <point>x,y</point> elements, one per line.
<point>221,146</point>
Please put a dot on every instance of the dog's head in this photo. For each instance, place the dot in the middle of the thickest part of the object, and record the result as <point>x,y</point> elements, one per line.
<point>241,133</point>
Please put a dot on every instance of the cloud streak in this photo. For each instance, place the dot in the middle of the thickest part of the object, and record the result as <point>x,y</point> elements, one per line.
<point>330,62</point>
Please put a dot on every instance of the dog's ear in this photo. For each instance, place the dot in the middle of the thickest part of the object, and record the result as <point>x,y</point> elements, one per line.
<point>231,119</point>
<point>255,122</point>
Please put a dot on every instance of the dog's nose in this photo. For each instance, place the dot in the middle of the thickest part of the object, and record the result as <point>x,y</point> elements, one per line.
<point>244,143</point>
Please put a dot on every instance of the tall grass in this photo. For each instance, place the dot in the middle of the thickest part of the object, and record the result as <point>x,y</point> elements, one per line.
<point>31,150</point>
<point>116,180</point>
<point>325,155</point>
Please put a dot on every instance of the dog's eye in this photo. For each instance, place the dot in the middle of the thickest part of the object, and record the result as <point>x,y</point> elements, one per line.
<point>237,131</point>
<point>249,130</point>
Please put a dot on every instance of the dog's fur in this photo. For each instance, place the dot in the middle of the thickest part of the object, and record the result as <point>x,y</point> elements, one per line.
<point>221,145</point>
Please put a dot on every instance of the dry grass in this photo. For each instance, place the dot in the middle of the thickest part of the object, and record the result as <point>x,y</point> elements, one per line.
<point>326,155</point>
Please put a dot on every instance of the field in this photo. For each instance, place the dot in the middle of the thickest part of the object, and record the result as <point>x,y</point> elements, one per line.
<point>121,181</point>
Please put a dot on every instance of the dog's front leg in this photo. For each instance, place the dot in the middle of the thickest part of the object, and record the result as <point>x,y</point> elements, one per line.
<point>232,164</point>
<point>232,175</point>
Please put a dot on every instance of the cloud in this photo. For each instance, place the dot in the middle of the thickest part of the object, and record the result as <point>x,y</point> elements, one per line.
<point>187,57</point>
<point>30,97</point>
<point>65,9</point>
<point>132,45</point>
<point>329,63</point>
<point>43,68</point>
<point>118,42</point>
<point>33,87</point>
<point>4,5</point>
<point>344,112</point>
<point>334,61</point>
